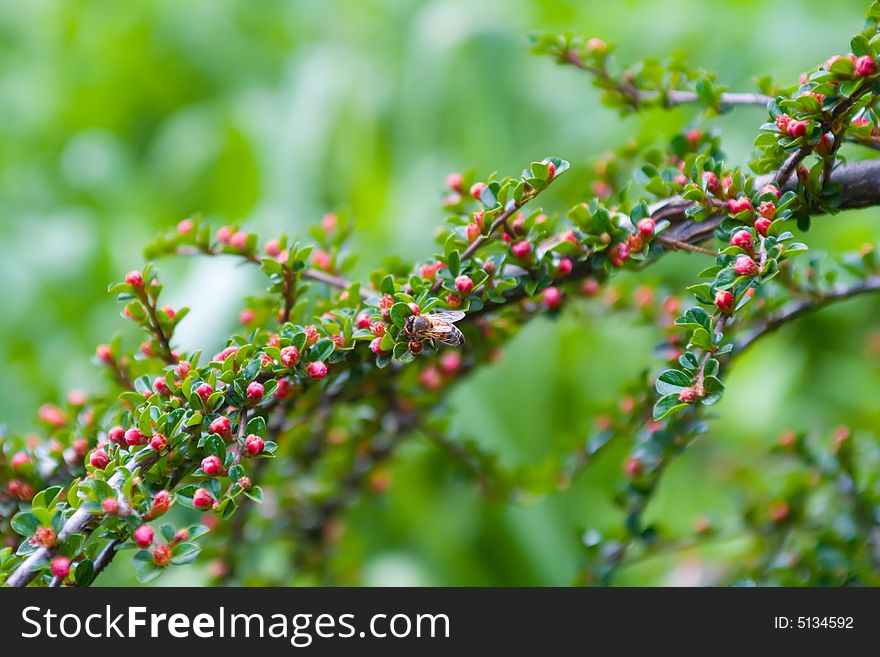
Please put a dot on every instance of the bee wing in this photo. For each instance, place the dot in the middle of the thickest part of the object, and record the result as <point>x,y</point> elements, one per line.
<point>447,316</point>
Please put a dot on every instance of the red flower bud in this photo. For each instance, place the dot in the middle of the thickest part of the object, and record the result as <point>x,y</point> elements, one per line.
<point>646,227</point>
<point>377,328</point>
<point>472,231</point>
<point>589,287</point>
<point>477,189</point>
<point>430,378</point>
<point>771,189</point>
<point>450,362</point>
<point>273,247</point>
<point>797,129</point>
<point>767,209</point>
<point>44,536</point>
<point>80,446</point>
<point>551,170</point>
<point>246,316</point>
<point>329,222</point>
<point>741,204</point>
<point>183,368</point>
<point>202,499</point>
<point>563,268</point>
<point>254,444</point>
<point>724,300</point>
<point>363,320</point>
<point>618,254</point>
<point>317,370</point>
<point>20,459</point>
<point>255,392</point>
<point>282,391</point>
<point>454,181</point>
<point>569,236</point>
<point>376,346</point>
<point>688,396</point>
<point>60,567</point>
<point>742,239</point>
<point>745,266</point>
<point>185,226</point>
<point>239,240</point>
<point>521,250</point>
<point>221,426</point>
<point>711,181</point>
<point>161,386</point>
<point>762,225</point>
<point>134,437</point>
<point>552,297</point>
<point>290,356</point>
<point>162,555</point>
<point>464,284</point>
<point>312,335</point>
<point>204,391</point>
<point>161,503</point>
<point>693,137</point>
<point>865,65</point>
<point>104,353</point>
<point>632,467</point>
<point>224,235</point>
<point>212,465</point>
<point>158,442</point>
<point>116,435</point>
<point>99,459</point>
<point>135,279</point>
<point>143,536</point>
<point>596,46</point>
<point>110,505</point>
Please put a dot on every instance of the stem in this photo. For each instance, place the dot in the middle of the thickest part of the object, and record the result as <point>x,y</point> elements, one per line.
<point>159,333</point>
<point>500,220</point>
<point>678,244</point>
<point>794,310</point>
<point>80,519</point>
<point>310,274</point>
<point>671,98</point>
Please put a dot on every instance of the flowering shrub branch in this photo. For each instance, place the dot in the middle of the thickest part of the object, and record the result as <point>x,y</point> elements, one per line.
<point>329,376</point>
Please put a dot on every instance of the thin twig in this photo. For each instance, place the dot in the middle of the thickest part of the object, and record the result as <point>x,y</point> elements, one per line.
<point>671,97</point>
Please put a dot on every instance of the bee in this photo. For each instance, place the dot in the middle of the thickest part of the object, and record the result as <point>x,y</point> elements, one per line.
<point>435,326</point>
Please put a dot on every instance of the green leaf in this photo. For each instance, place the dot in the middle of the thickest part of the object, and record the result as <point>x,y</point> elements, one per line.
<point>144,568</point>
<point>257,425</point>
<point>83,572</point>
<point>135,398</point>
<point>860,45</point>
<point>667,405</point>
<point>701,338</point>
<point>672,381</point>
<point>184,553</point>
<point>45,498</point>
<point>322,349</point>
<point>453,262</point>
<point>25,523</point>
<point>843,67</point>
<point>255,493</point>
<point>399,312</point>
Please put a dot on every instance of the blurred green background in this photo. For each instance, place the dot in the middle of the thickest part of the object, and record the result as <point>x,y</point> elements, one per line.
<point>118,119</point>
